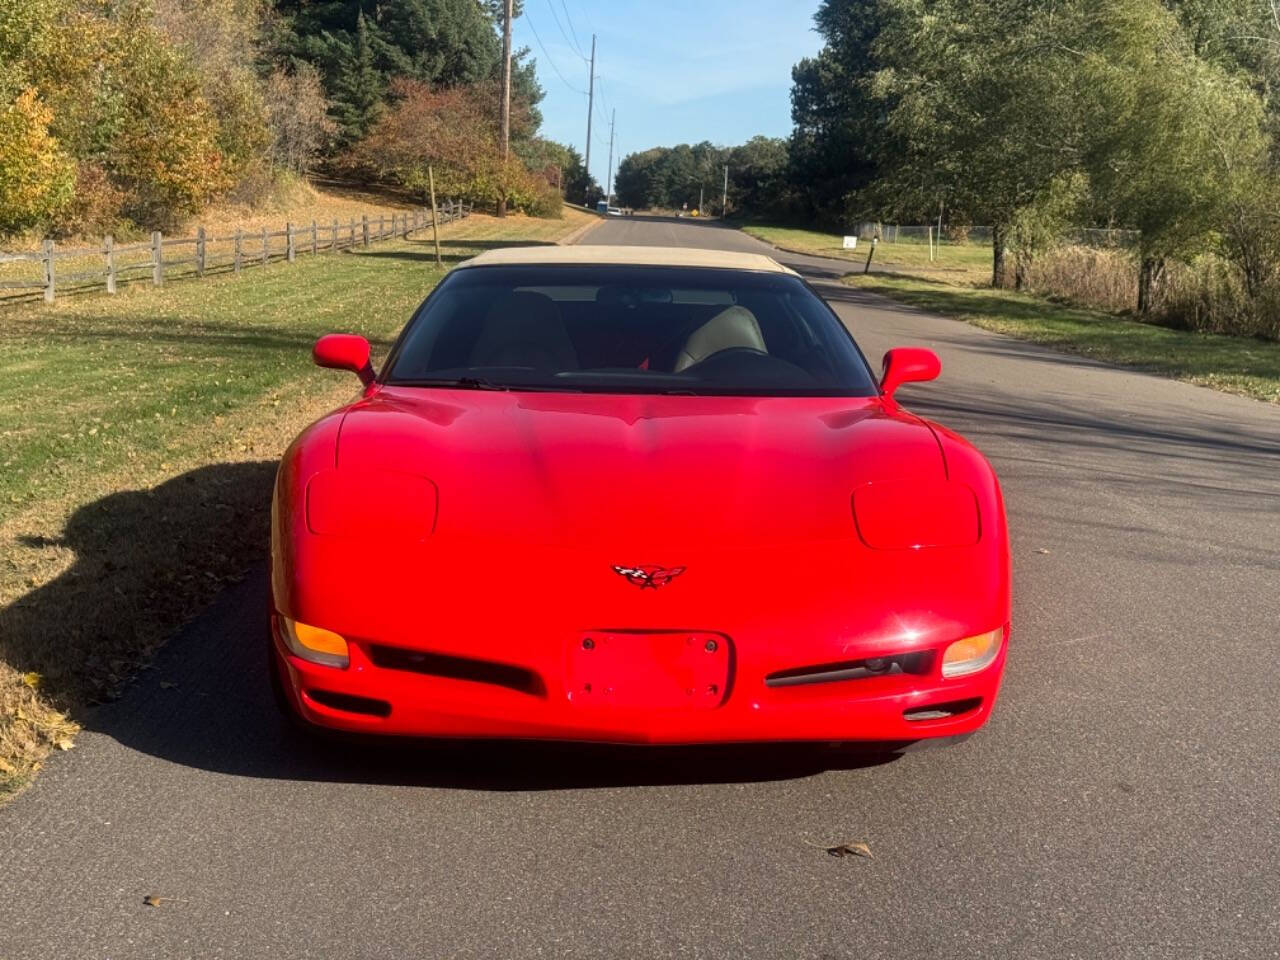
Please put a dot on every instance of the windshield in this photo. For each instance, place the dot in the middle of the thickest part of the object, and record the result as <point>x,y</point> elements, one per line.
<point>629,330</point>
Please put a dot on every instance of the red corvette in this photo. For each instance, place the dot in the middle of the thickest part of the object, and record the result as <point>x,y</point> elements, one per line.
<point>636,495</point>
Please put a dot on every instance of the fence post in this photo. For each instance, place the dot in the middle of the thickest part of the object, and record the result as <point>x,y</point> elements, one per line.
<point>266,247</point>
<point>315,238</point>
<point>290,252</point>
<point>333,240</point>
<point>364,226</point>
<point>200,251</point>
<point>109,250</point>
<point>48,271</point>
<point>157,259</point>
<point>239,254</point>
<point>353,231</point>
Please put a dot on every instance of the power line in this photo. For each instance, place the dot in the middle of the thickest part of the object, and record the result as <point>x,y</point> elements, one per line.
<point>569,20</point>
<point>551,6</point>
<point>587,14</point>
<point>543,48</point>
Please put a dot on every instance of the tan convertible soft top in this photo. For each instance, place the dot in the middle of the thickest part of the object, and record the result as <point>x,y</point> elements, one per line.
<point>626,256</point>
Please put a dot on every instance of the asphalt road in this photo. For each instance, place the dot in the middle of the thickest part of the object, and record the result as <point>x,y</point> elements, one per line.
<point>1124,801</point>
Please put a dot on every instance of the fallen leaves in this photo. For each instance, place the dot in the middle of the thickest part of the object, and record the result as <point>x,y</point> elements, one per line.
<point>850,850</point>
<point>152,900</point>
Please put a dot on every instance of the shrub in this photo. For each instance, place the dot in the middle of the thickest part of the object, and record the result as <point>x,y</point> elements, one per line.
<point>298,116</point>
<point>1106,279</point>
<point>1211,295</point>
<point>36,177</point>
<point>95,208</point>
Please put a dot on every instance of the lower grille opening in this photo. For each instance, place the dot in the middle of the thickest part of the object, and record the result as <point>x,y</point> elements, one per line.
<point>941,711</point>
<point>458,668</point>
<point>916,663</point>
<point>351,704</point>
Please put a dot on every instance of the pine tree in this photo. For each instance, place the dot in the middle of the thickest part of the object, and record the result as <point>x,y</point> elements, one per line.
<point>358,88</point>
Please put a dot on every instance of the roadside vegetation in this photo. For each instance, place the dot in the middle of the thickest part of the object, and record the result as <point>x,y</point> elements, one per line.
<point>139,436</point>
<point>138,115</point>
<point>1155,117</point>
<point>963,261</point>
<point>1243,365</point>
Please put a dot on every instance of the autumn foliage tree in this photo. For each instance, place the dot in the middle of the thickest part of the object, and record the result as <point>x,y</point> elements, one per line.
<point>454,132</point>
<point>36,177</point>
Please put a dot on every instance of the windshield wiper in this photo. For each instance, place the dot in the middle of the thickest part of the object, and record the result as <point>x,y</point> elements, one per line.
<point>465,383</point>
<point>483,383</point>
<point>480,383</point>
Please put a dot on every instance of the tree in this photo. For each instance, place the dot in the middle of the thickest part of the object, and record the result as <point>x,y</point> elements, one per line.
<point>1178,136</point>
<point>357,87</point>
<point>986,103</point>
<point>840,136</point>
<point>297,114</point>
<point>359,46</point>
<point>758,176</point>
<point>36,177</point>
<point>455,132</point>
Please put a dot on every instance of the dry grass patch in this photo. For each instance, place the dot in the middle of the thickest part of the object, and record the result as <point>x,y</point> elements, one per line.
<point>139,436</point>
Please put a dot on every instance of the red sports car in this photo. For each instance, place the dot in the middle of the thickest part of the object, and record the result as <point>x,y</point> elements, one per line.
<point>638,495</point>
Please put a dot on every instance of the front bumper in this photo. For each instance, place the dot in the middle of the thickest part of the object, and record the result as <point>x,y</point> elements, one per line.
<point>402,701</point>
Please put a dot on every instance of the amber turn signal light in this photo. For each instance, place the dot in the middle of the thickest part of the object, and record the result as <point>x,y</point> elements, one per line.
<point>315,643</point>
<point>972,653</point>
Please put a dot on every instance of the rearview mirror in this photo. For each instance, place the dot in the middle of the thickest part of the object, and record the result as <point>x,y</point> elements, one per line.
<point>344,351</point>
<point>908,364</point>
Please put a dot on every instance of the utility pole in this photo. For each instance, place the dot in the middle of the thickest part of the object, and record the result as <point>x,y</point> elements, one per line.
<point>506,95</point>
<point>608,187</point>
<point>591,105</point>
<point>724,203</point>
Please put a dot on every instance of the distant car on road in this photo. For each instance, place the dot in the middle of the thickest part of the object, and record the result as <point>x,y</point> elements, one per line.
<point>635,494</point>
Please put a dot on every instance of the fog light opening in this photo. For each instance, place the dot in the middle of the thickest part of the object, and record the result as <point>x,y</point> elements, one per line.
<point>942,711</point>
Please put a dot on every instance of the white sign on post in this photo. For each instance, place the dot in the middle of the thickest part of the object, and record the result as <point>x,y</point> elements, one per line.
<point>850,243</point>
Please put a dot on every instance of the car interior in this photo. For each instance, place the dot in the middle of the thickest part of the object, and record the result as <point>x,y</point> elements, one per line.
<point>640,335</point>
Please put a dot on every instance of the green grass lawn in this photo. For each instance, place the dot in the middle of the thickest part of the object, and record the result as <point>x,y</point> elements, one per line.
<point>1236,364</point>
<point>963,261</point>
<point>95,384</point>
<point>138,439</point>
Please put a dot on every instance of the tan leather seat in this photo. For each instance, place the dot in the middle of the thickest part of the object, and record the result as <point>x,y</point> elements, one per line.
<point>732,327</point>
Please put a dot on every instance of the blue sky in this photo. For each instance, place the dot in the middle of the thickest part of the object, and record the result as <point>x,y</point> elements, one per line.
<point>676,72</point>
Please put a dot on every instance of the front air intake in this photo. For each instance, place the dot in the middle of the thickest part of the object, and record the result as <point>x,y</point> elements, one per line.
<point>865,669</point>
<point>458,668</point>
<point>347,703</point>
<point>942,711</point>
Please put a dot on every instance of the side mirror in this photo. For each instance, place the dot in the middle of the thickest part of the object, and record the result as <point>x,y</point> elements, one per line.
<point>344,351</point>
<point>908,364</point>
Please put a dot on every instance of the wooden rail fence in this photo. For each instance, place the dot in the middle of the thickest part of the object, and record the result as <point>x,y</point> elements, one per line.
<point>123,263</point>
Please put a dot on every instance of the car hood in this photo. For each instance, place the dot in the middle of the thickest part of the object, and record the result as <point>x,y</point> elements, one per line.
<point>575,469</point>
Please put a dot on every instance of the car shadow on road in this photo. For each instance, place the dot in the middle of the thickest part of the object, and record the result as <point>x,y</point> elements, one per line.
<point>149,558</point>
